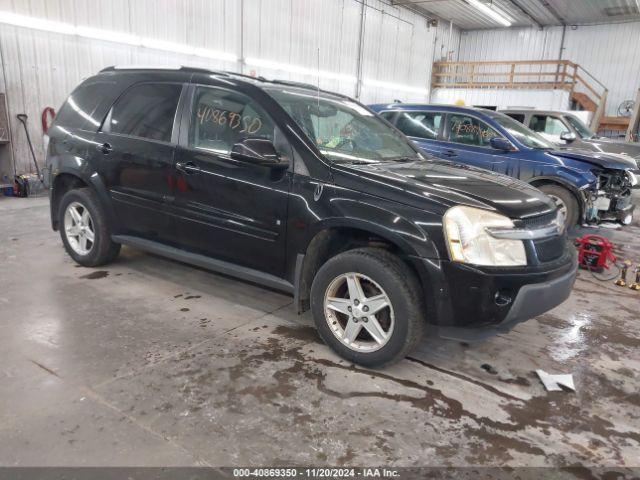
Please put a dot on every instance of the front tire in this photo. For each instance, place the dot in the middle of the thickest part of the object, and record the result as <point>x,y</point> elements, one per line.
<point>565,201</point>
<point>367,306</point>
<point>84,229</point>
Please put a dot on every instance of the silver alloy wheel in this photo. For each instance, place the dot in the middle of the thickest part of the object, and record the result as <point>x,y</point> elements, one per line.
<point>78,228</point>
<point>562,207</point>
<point>358,312</point>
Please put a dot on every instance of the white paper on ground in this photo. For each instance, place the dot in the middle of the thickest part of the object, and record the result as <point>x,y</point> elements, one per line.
<point>552,382</point>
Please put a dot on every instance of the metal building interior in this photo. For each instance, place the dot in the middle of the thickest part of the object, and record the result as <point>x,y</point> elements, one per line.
<point>171,357</point>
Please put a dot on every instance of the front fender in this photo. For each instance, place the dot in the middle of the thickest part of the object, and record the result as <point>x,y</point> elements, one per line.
<point>392,226</point>
<point>580,179</point>
<point>419,240</point>
<point>572,181</point>
<point>570,172</point>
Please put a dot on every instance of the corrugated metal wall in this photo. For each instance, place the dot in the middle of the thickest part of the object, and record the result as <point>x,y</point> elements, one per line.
<point>42,68</point>
<point>609,52</point>
<point>511,44</point>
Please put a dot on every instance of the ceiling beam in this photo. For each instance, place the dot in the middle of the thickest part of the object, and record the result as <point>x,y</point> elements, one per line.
<point>417,8</point>
<point>553,12</point>
<point>413,5</point>
<point>524,11</point>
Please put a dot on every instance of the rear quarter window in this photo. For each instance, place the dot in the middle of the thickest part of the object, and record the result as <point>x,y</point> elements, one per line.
<point>146,111</point>
<point>86,106</point>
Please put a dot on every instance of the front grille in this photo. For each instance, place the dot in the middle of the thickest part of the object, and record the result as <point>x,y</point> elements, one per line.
<point>532,223</point>
<point>550,249</point>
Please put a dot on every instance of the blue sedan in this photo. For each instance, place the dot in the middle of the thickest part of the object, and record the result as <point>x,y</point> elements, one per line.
<point>586,186</point>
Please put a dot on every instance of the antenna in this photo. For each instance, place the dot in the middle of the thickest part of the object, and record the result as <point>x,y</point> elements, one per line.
<point>318,96</point>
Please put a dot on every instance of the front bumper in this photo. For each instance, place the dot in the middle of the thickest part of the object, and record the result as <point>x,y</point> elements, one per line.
<point>472,303</point>
<point>625,213</point>
<point>613,205</point>
<point>622,213</point>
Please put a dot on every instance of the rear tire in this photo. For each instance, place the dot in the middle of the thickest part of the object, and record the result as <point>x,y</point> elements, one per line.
<point>565,201</point>
<point>360,328</point>
<point>84,229</point>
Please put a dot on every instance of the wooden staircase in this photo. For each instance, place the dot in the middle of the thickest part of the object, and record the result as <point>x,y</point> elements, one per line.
<point>583,102</point>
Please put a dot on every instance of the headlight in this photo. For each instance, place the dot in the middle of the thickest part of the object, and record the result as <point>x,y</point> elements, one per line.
<point>469,241</point>
<point>633,178</point>
<point>560,222</point>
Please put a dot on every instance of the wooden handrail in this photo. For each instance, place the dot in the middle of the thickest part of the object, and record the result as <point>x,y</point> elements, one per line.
<point>506,74</point>
<point>518,74</point>
<point>589,87</point>
<point>597,116</point>
<point>514,62</point>
<point>634,121</point>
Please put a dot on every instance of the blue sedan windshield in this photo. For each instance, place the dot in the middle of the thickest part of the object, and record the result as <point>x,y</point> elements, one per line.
<point>521,133</point>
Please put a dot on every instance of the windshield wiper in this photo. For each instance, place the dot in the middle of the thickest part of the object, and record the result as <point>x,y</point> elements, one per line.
<point>400,159</point>
<point>355,162</point>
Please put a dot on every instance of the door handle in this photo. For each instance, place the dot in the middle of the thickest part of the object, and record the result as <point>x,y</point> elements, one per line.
<point>105,148</point>
<point>450,153</point>
<point>188,168</point>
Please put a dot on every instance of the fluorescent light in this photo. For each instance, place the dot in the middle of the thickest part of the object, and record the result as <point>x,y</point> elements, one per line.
<point>165,46</point>
<point>285,67</point>
<point>215,54</point>
<point>489,12</point>
<point>108,36</point>
<point>34,23</point>
<point>369,82</point>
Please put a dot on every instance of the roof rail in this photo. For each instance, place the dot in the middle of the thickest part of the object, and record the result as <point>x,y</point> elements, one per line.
<point>309,86</point>
<point>294,84</point>
<point>244,75</point>
<point>224,73</point>
<point>162,67</point>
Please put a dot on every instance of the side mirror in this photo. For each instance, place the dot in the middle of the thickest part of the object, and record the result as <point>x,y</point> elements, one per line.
<point>568,136</point>
<point>258,151</point>
<point>500,143</point>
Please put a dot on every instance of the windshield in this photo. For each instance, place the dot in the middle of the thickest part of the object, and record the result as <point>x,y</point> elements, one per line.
<point>343,130</point>
<point>521,133</point>
<point>580,127</point>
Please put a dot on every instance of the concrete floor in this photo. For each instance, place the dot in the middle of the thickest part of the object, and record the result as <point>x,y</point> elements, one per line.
<point>149,362</point>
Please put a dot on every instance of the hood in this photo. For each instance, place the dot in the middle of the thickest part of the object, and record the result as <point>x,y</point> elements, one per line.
<point>427,184</point>
<point>611,145</point>
<point>599,159</point>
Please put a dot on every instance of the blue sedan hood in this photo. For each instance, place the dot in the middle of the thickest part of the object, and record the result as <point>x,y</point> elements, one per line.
<point>599,159</point>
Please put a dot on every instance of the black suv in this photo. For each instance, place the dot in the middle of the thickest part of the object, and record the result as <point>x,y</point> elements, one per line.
<point>307,192</point>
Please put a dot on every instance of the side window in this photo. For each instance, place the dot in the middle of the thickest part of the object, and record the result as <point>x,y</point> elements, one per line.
<point>420,124</point>
<point>547,124</point>
<point>470,131</point>
<point>146,111</point>
<point>518,117</point>
<point>222,118</point>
